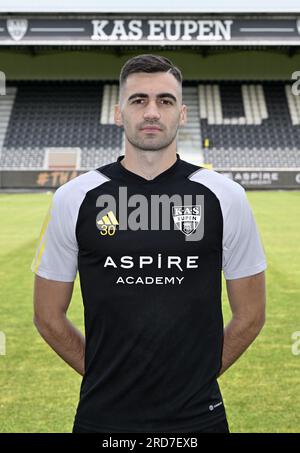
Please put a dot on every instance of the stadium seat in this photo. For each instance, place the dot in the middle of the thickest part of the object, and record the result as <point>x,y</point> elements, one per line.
<point>247,124</point>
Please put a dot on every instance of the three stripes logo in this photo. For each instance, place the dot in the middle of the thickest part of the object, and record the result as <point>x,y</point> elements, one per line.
<point>107,224</point>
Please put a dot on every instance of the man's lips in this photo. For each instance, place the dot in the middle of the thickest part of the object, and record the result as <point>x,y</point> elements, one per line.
<point>150,128</point>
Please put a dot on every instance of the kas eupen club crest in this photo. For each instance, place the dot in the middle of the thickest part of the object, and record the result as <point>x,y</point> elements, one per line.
<point>187,218</point>
<point>17,28</point>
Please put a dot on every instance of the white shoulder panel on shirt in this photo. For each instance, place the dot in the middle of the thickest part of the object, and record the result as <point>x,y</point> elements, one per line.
<point>57,248</point>
<point>243,253</point>
<point>75,190</point>
<point>224,188</point>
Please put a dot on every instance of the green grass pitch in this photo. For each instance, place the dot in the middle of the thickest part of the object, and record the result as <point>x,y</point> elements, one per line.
<point>39,392</point>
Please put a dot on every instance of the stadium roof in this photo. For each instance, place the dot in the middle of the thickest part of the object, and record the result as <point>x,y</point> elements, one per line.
<point>138,6</point>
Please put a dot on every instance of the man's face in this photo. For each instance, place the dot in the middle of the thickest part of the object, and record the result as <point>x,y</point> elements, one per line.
<point>150,110</point>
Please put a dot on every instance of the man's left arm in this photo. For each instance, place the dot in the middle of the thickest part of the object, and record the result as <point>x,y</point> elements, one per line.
<point>247,298</point>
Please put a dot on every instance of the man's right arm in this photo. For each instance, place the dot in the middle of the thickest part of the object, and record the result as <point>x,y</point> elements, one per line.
<point>51,302</point>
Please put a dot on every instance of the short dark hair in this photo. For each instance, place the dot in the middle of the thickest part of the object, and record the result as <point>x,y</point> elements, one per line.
<point>150,64</point>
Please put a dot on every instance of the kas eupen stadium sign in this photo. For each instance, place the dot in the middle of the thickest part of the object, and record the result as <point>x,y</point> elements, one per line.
<point>143,31</point>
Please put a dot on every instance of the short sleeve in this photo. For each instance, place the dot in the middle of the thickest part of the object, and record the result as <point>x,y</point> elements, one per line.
<point>243,253</point>
<point>57,250</point>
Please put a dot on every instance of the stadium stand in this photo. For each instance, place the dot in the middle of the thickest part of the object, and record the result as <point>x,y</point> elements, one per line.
<point>230,125</point>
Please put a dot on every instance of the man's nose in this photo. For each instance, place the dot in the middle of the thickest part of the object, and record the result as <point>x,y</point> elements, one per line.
<point>151,111</point>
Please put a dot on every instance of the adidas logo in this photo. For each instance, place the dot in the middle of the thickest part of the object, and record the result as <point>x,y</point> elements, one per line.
<point>108,219</point>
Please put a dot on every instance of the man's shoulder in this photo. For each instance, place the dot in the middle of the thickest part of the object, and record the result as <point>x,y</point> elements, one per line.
<point>220,184</point>
<point>77,187</point>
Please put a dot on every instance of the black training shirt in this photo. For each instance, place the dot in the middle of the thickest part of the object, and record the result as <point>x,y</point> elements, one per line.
<point>150,256</point>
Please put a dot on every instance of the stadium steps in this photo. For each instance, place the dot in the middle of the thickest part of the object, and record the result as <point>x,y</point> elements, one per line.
<point>6,106</point>
<point>189,136</point>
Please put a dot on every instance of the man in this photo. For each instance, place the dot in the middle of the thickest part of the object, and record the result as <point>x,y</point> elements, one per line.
<point>150,235</point>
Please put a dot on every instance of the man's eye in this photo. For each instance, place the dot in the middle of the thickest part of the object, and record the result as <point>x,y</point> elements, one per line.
<point>166,101</point>
<point>137,101</point>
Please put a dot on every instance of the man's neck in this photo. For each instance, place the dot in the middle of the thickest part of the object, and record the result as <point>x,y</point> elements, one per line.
<point>148,164</point>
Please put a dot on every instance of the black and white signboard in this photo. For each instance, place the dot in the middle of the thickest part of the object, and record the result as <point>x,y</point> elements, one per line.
<point>249,179</point>
<point>189,30</point>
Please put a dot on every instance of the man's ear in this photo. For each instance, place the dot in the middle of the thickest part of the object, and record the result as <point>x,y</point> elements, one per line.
<point>118,116</point>
<point>183,115</point>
